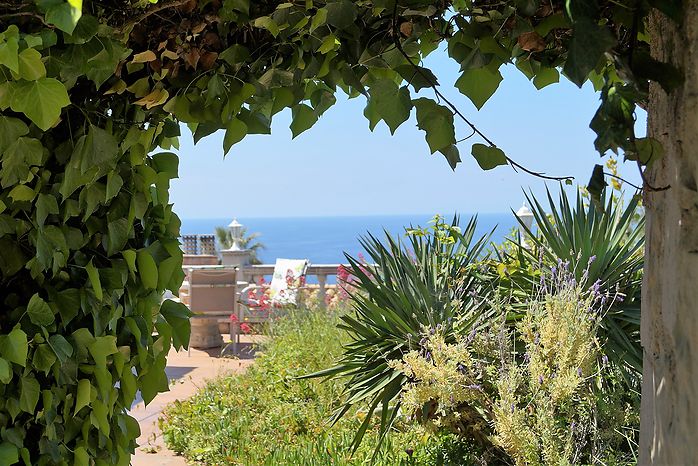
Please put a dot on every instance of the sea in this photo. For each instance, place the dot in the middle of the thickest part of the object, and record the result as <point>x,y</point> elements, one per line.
<point>325,240</point>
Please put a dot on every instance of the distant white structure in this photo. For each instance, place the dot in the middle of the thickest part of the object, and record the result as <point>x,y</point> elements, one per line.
<point>525,216</point>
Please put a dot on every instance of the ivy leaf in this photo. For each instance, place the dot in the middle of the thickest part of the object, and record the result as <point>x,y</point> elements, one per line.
<point>265,22</point>
<point>44,358</point>
<point>31,67</point>
<point>60,347</point>
<point>10,130</point>
<point>5,372</point>
<point>452,155</point>
<point>597,183</point>
<point>9,49</point>
<point>8,453</point>
<point>437,121</point>
<point>276,78</point>
<point>22,193</point>
<point>14,347</point>
<point>647,150</point>
<point>18,157</point>
<point>93,276</point>
<point>96,148</point>
<point>304,118</point>
<point>65,15</point>
<point>83,395</point>
<point>488,157</point>
<point>588,44</point>
<point>46,205</point>
<point>41,100</point>
<point>235,131</point>
<point>389,103</point>
<point>418,76</point>
<point>546,77</point>
<point>177,315</point>
<point>29,394</point>
<point>341,14</point>
<point>235,54</point>
<point>479,84</point>
<point>147,269</point>
<point>39,312</point>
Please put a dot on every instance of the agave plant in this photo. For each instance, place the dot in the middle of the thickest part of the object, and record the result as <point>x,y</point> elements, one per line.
<point>428,282</point>
<point>601,246</point>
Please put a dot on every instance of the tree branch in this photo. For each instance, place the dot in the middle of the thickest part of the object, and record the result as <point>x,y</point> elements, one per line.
<point>457,112</point>
<point>157,8</point>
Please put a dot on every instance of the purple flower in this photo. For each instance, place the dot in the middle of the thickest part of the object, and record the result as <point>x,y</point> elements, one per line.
<point>536,339</point>
<point>591,259</point>
<point>512,407</point>
<point>540,379</point>
<point>579,371</point>
<point>604,359</point>
<point>527,357</point>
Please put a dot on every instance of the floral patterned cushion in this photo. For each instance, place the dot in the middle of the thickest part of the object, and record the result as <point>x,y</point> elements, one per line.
<point>289,276</point>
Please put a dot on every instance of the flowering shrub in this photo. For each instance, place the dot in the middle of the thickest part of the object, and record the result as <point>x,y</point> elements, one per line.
<point>540,393</point>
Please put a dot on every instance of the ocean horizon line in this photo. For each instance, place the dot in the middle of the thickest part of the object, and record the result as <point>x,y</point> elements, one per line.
<point>268,217</point>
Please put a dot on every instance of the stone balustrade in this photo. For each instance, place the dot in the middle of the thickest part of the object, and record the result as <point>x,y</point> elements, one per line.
<point>252,273</point>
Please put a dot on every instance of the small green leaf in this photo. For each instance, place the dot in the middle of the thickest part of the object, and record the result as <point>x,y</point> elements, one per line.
<point>235,132</point>
<point>29,394</point>
<point>597,184</point>
<point>265,22</point>
<point>83,396</point>
<point>147,269</point>
<point>61,347</point>
<point>177,315</point>
<point>10,130</point>
<point>81,457</point>
<point>304,118</point>
<point>22,193</point>
<point>64,15</point>
<point>545,77</point>
<point>44,358</point>
<point>39,311</point>
<point>19,157</point>
<point>8,454</point>
<point>14,347</point>
<point>31,67</point>
<point>93,276</point>
<point>5,372</point>
<point>479,84</point>
<point>437,121</point>
<point>417,76</point>
<point>235,54</point>
<point>319,19</point>
<point>341,14</point>
<point>9,49</point>
<point>41,100</point>
<point>328,44</point>
<point>130,258</point>
<point>389,103</point>
<point>648,151</point>
<point>452,155</point>
<point>588,44</point>
<point>488,157</point>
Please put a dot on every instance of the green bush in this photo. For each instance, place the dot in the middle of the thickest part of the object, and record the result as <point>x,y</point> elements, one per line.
<point>268,416</point>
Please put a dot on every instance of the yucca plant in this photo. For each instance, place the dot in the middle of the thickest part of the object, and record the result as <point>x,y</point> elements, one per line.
<point>602,247</point>
<point>427,282</point>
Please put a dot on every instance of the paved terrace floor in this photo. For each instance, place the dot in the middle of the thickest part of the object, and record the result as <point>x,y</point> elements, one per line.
<point>187,372</point>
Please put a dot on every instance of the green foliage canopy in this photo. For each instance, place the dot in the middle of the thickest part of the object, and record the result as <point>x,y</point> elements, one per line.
<point>92,95</point>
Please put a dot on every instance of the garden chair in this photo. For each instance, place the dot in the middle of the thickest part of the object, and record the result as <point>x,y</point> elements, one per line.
<point>212,294</point>
<point>260,303</point>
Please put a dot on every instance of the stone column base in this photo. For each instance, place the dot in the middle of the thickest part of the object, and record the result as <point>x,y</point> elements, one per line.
<point>204,332</point>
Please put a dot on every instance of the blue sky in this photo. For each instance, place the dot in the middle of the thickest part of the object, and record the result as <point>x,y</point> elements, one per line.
<point>339,167</point>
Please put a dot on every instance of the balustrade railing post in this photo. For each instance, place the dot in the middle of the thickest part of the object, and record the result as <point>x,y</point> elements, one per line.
<point>322,279</point>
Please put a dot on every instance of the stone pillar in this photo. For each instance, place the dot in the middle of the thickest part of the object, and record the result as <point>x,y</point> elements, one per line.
<point>235,258</point>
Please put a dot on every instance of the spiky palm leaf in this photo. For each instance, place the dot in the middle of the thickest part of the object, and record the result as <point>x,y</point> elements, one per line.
<point>247,241</point>
<point>431,281</point>
<point>601,245</point>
